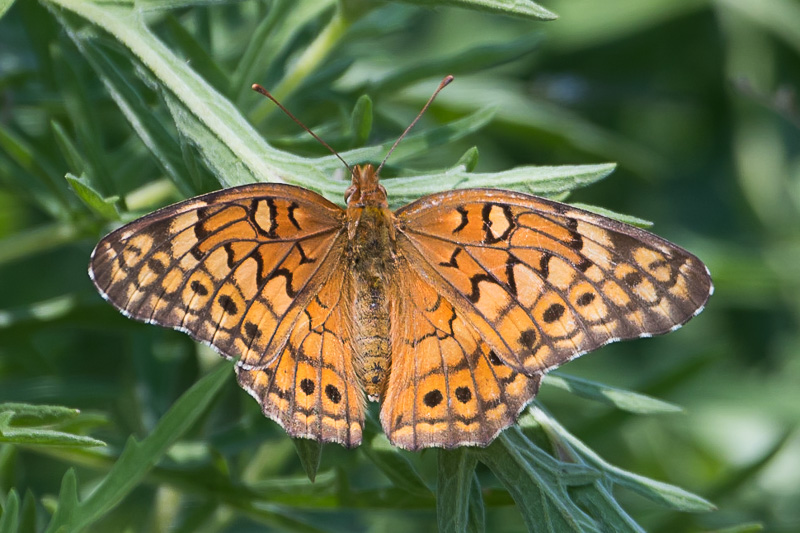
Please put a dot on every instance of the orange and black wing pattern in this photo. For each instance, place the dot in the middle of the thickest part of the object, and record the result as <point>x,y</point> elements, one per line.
<point>543,282</point>
<point>233,268</point>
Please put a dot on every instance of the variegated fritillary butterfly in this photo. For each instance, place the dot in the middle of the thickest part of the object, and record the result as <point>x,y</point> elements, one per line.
<point>448,311</point>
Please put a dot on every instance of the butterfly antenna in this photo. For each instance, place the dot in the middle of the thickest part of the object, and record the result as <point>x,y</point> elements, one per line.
<point>445,82</point>
<point>259,89</point>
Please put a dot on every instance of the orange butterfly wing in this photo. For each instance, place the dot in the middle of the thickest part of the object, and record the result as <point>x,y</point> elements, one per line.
<point>233,268</point>
<point>543,282</point>
<point>446,387</point>
<point>311,388</point>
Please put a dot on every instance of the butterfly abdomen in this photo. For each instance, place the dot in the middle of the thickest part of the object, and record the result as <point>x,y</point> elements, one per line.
<point>372,262</point>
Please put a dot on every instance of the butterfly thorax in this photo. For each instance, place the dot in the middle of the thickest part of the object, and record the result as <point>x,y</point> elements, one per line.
<point>371,259</point>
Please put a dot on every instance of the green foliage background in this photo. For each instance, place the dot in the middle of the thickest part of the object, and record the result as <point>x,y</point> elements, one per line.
<point>111,109</point>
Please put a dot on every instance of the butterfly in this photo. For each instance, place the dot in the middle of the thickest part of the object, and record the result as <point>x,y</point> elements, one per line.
<point>448,311</point>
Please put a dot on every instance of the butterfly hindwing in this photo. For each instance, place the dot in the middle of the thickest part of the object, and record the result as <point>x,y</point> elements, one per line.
<point>446,388</point>
<point>232,268</point>
<point>311,388</point>
<point>544,282</point>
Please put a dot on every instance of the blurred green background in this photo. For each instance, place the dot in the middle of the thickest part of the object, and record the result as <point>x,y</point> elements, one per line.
<point>695,100</point>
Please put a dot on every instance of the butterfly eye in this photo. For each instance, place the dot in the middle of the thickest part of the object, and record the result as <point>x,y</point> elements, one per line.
<point>351,190</point>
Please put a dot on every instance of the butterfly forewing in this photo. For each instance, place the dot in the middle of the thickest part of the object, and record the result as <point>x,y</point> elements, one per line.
<point>544,282</point>
<point>232,268</point>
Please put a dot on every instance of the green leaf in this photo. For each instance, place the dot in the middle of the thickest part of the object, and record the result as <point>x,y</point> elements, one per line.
<point>602,211</point>
<point>541,496</point>
<point>24,414</point>
<point>310,453</point>
<point>395,465</point>
<point>137,457</point>
<point>477,511</point>
<point>361,120</point>
<point>22,424</point>
<point>519,8</point>
<point>546,181</point>
<point>105,207</point>
<point>68,148</point>
<point>28,520</point>
<point>9,521</point>
<point>454,491</point>
<point>622,399</point>
<point>468,161</point>
<point>44,437</point>
<point>601,505</point>
<point>662,493</point>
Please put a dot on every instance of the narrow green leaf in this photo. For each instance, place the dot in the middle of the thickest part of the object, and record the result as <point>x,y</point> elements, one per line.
<point>540,496</point>
<point>477,510</point>
<point>455,480</point>
<point>28,414</point>
<point>21,424</point>
<point>46,437</point>
<point>622,399</point>
<point>519,8</point>
<point>627,219</point>
<point>9,521</point>
<point>545,181</point>
<point>663,493</point>
<point>361,120</point>
<point>602,506</point>
<point>68,149</point>
<point>138,458</point>
<point>28,518</point>
<point>395,465</point>
<point>105,207</point>
<point>67,504</point>
<point>468,161</point>
<point>310,453</point>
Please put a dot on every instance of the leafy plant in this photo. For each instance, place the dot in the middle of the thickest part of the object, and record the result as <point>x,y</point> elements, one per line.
<point>178,75</point>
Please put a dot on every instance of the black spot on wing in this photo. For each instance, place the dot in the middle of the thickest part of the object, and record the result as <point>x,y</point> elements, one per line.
<point>433,398</point>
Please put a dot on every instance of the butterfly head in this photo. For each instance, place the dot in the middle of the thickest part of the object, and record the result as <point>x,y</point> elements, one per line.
<point>365,189</point>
